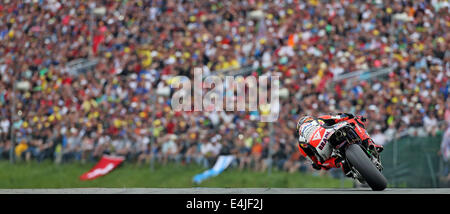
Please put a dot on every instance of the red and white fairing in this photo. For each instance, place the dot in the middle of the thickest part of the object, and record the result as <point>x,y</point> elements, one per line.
<point>317,136</point>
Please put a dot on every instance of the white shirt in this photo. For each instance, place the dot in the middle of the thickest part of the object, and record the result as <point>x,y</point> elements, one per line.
<point>5,125</point>
<point>169,146</point>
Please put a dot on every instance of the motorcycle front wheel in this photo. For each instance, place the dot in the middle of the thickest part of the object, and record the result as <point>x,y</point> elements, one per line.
<point>358,159</point>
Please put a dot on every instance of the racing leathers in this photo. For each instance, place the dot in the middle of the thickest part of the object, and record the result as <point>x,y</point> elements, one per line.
<point>308,125</point>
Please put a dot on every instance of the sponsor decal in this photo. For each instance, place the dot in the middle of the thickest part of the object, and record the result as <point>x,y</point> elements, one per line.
<point>327,134</point>
<point>324,142</point>
<point>316,136</point>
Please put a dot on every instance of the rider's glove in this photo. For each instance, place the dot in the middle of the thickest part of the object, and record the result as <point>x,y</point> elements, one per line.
<point>316,166</point>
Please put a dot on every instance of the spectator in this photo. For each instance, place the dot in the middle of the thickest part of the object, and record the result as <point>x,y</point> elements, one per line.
<point>279,157</point>
<point>4,128</point>
<point>6,147</point>
<point>143,150</point>
<point>430,124</point>
<point>72,149</point>
<point>192,151</point>
<point>21,148</point>
<point>256,155</point>
<point>87,145</point>
<point>169,148</point>
<point>377,136</point>
<point>211,149</point>
<point>243,153</point>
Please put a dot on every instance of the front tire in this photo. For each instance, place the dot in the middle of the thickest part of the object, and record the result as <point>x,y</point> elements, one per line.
<point>358,159</point>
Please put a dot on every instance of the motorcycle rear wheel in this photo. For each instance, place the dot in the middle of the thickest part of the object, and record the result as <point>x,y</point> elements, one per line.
<point>358,159</point>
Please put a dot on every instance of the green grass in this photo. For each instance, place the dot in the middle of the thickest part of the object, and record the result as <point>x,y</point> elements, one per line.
<point>49,175</point>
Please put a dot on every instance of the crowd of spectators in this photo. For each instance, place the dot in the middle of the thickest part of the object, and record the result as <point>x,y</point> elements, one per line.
<point>122,105</point>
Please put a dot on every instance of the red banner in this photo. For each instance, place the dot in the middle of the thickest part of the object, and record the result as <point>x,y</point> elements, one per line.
<point>103,167</point>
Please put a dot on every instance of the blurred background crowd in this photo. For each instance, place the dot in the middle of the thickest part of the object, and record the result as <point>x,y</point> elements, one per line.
<point>121,104</point>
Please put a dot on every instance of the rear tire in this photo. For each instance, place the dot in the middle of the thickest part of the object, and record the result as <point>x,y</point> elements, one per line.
<point>358,159</point>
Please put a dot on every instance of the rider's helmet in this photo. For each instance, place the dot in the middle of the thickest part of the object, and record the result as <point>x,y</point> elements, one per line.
<point>302,120</point>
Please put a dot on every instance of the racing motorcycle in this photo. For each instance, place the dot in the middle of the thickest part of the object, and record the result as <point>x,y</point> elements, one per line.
<point>348,142</point>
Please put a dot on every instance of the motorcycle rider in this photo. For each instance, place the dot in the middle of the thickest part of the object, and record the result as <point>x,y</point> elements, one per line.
<point>307,125</point>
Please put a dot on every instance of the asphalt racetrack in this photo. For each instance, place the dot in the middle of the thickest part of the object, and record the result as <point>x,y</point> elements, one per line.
<point>225,191</point>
